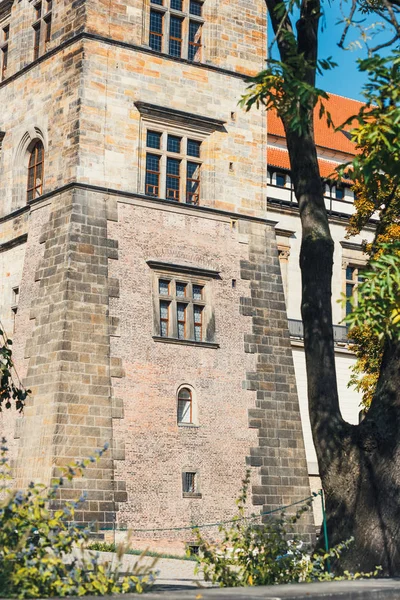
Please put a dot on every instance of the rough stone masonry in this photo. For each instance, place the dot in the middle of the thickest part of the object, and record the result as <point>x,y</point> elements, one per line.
<point>122,286</point>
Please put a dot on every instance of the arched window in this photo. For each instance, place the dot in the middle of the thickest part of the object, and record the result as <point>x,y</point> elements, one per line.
<point>35,171</point>
<point>185,406</point>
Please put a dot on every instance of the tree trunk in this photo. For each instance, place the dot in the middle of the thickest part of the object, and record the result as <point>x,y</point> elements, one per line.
<point>359,465</point>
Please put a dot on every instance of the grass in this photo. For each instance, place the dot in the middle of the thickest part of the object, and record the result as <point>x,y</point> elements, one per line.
<point>104,547</point>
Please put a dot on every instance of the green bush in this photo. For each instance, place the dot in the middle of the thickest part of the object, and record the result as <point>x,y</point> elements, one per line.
<point>42,551</point>
<point>269,553</point>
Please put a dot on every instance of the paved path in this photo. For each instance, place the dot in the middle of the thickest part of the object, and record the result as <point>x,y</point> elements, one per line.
<point>172,573</point>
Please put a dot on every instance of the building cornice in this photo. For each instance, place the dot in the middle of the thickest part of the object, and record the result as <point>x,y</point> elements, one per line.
<point>85,36</point>
<point>179,117</point>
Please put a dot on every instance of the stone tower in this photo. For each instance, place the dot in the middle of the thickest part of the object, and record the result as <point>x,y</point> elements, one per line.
<point>140,274</point>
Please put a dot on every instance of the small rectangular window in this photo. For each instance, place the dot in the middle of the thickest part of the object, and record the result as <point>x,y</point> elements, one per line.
<point>280,179</point>
<point>175,36</point>
<point>181,289</point>
<point>174,144</point>
<point>195,7</point>
<point>156,30</point>
<point>198,323</point>
<point>176,4</point>
<point>36,41</point>
<point>339,193</point>
<point>164,318</point>
<point>173,179</point>
<point>47,22</point>
<point>181,317</point>
<point>189,483</point>
<point>197,292</point>
<point>153,175</point>
<point>194,41</point>
<point>4,62</point>
<point>193,148</point>
<point>164,287</point>
<point>153,139</point>
<point>6,33</point>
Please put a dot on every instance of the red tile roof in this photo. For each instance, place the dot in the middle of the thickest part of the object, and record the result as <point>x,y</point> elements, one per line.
<point>280,158</point>
<point>340,109</point>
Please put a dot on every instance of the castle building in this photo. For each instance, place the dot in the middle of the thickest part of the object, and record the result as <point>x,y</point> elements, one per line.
<point>139,268</point>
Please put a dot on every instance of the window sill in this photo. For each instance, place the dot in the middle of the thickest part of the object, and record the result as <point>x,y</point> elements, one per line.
<point>194,495</point>
<point>188,426</point>
<point>169,340</point>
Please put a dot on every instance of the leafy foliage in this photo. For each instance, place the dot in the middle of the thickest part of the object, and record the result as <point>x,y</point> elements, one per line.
<point>378,298</point>
<point>9,391</point>
<point>282,86</point>
<point>264,554</point>
<point>42,552</point>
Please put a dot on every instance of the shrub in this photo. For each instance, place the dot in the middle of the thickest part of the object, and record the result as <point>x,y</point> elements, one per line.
<point>42,551</point>
<point>269,553</point>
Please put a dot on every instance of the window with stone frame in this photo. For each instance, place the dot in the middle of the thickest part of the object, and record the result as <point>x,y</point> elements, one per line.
<point>185,414</point>
<point>191,484</point>
<point>182,308</point>
<point>35,171</point>
<point>173,166</point>
<point>4,47</point>
<point>353,278</point>
<point>183,304</point>
<point>42,26</point>
<point>176,28</point>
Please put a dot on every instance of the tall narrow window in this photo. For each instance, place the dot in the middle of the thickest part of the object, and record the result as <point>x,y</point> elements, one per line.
<point>4,51</point>
<point>185,406</point>
<point>189,483</point>
<point>194,41</point>
<point>175,36</point>
<point>173,178</point>
<point>198,323</point>
<point>164,318</point>
<point>353,278</point>
<point>153,175</point>
<point>181,318</point>
<point>42,27</point>
<point>35,171</point>
<point>156,30</point>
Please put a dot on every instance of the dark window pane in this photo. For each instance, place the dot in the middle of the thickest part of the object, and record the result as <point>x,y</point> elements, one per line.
<point>339,194</point>
<point>280,179</point>
<point>176,4</point>
<point>181,318</point>
<point>175,36</point>
<point>193,183</point>
<point>159,2</point>
<point>198,323</point>
<point>181,290</point>
<point>197,292</point>
<point>195,8</point>
<point>174,144</point>
<point>173,178</point>
<point>189,483</point>
<point>194,41</point>
<point>193,148</point>
<point>152,175</point>
<point>153,139</point>
<point>156,30</point>
<point>349,290</point>
<point>185,394</point>
<point>163,287</point>
<point>164,318</point>
<point>349,273</point>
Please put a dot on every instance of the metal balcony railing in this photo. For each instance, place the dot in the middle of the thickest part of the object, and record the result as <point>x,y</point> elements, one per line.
<point>296,330</point>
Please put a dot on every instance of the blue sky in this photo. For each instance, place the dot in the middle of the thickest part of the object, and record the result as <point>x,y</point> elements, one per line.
<point>345,80</point>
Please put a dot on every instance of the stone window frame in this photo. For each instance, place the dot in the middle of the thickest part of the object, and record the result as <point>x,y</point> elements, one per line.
<point>21,163</point>
<point>196,494</point>
<point>186,17</point>
<point>183,157</point>
<point>41,25</point>
<point>5,25</point>
<point>194,422</point>
<point>189,276</point>
<point>352,256</point>
<point>183,124</point>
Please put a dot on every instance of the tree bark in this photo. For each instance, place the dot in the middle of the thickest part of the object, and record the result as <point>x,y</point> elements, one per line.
<point>359,465</point>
